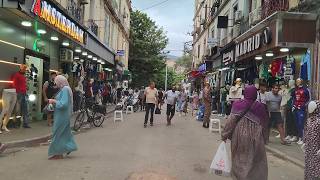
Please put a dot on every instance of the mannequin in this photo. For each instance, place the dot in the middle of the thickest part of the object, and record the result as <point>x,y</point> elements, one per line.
<point>235,93</point>
<point>300,98</point>
<point>78,92</point>
<point>9,99</point>
<point>291,128</point>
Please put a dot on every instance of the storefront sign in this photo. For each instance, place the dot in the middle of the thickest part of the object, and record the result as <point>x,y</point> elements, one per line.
<point>227,58</point>
<point>212,42</point>
<point>51,15</point>
<point>254,42</point>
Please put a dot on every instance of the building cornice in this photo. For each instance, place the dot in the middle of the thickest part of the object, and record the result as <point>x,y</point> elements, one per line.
<point>115,16</point>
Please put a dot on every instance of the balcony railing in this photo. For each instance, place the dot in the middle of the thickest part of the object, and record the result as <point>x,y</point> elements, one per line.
<point>271,6</point>
<point>93,27</point>
<point>75,10</point>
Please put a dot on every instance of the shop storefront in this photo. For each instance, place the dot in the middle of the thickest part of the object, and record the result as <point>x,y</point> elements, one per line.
<point>41,35</point>
<point>213,65</point>
<point>227,68</point>
<point>277,50</point>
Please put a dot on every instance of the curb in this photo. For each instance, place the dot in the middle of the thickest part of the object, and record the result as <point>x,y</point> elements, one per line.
<point>32,141</point>
<point>282,155</point>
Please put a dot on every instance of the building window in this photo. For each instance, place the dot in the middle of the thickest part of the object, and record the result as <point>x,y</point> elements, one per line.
<point>199,51</point>
<point>107,30</point>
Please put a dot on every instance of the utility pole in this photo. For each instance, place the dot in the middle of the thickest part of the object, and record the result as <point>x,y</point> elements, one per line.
<point>166,81</point>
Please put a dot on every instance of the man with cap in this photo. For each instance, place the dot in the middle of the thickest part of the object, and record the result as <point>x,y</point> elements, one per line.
<point>20,84</point>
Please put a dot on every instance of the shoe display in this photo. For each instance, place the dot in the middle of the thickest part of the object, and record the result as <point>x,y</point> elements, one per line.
<point>294,139</point>
<point>288,138</point>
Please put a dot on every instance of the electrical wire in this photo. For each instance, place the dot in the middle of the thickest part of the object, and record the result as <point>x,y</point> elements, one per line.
<point>155,5</point>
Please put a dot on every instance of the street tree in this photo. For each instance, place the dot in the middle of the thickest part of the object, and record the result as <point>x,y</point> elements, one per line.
<point>147,42</point>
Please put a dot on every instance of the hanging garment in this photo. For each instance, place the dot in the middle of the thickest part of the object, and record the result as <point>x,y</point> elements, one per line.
<point>276,67</point>
<point>9,100</point>
<point>305,73</point>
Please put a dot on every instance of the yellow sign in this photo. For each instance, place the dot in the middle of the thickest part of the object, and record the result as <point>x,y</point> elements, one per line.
<point>51,15</point>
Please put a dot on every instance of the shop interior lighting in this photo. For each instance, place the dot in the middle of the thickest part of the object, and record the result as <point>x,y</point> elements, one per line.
<point>32,97</point>
<point>89,56</point>
<point>108,69</point>
<point>94,58</point>
<point>84,53</point>
<point>66,43</point>
<point>284,50</point>
<point>258,58</point>
<point>52,70</point>
<point>81,60</point>
<point>11,44</point>
<point>76,57</point>
<point>41,31</point>
<point>269,54</point>
<point>54,38</point>
<point>2,81</point>
<point>99,61</point>
<point>103,62</point>
<point>78,50</point>
<point>26,23</point>
<point>6,62</point>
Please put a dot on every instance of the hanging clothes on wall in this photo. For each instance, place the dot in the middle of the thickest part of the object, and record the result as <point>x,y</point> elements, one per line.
<point>305,72</point>
<point>276,67</point>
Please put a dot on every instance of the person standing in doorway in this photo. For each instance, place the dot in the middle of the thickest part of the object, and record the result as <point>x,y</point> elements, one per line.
<point>273,100</point>
<point>171,97</point>
<point>207,103</point>
<point>151,96</point>
<point>20,84</point>
<point>49,90</point>
<point>62,138</point>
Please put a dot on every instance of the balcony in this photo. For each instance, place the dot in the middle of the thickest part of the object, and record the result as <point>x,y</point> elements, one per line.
<point>93,26</point>
<point>271,6</point>
<point>255,16</point>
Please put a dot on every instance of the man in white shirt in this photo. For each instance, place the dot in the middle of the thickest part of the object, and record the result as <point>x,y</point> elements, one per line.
<point>262,93</point>
<point>171,97</point>
<point>151,95</point>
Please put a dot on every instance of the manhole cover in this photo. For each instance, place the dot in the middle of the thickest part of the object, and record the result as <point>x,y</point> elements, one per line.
<point>149,176</point>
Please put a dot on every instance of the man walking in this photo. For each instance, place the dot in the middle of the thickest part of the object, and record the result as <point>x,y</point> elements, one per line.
<point>171,97</point>
<point>207,104</point>
<point>273,100</point>
<point>151,96</point>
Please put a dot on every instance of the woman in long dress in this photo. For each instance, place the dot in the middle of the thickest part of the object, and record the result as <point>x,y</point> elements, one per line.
<point>248,136</point>
<point>312,145</point>
<point>62,138</point>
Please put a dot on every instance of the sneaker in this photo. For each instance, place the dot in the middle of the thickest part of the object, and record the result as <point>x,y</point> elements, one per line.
<point>278,136</point>
<point>144,125</point>
<point>300,142</point>
<point>151,124</point>
<point>294,139</point>
<point>288,138</point>
<point>0,132</point>
<point>5,129</point>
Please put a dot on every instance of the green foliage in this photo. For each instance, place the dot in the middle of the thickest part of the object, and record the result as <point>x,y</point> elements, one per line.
<point>185,61</point>
<point>147,42</point>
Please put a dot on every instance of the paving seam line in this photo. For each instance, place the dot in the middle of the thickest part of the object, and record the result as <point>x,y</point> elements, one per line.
<point>32,141</point>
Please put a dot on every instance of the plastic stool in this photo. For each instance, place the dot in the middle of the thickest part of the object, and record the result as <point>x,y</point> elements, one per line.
<point>212,123</point>
<point>115,118</point>
<point>129,111</point>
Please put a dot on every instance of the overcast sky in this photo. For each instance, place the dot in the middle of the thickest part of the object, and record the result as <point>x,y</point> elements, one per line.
<point>175,16</point>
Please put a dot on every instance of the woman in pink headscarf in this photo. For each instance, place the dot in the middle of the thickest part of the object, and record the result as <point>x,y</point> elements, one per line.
<point>247,128</point>
<point>62,138</point>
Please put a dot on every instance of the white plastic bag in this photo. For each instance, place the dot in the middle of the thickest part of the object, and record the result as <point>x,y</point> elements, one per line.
<point>221,164</point>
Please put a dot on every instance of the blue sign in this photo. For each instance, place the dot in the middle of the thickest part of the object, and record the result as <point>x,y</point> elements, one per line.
<point>120,53</point>
<point>202,68</point>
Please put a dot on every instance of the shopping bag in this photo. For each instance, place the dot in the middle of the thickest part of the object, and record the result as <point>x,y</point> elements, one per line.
<point>221,164</point>
<point>158,111</point>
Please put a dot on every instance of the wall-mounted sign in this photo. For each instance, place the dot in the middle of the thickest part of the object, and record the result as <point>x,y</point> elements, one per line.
<point>53,16</point>
<point>254,42</point>
<point>228,57</point>
<point>120,53</point>
<point>212,42</point>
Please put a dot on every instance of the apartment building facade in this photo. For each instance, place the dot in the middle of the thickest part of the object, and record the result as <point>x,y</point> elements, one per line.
<point>253,40</point>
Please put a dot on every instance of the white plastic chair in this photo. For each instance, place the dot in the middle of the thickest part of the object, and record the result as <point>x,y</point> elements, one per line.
<point>129,110</point>
<point>116,117</point>
<point>212,125</point>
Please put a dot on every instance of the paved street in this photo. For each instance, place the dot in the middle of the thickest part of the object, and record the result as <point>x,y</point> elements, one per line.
<point>127,151</point>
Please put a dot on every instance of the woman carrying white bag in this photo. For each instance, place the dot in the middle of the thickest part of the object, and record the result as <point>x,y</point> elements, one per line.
<point>247,128</point>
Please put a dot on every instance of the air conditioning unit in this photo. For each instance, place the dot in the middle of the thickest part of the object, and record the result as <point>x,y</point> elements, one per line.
<point>236,31</point>
<point>66,55</point>
<point>238,16</point>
